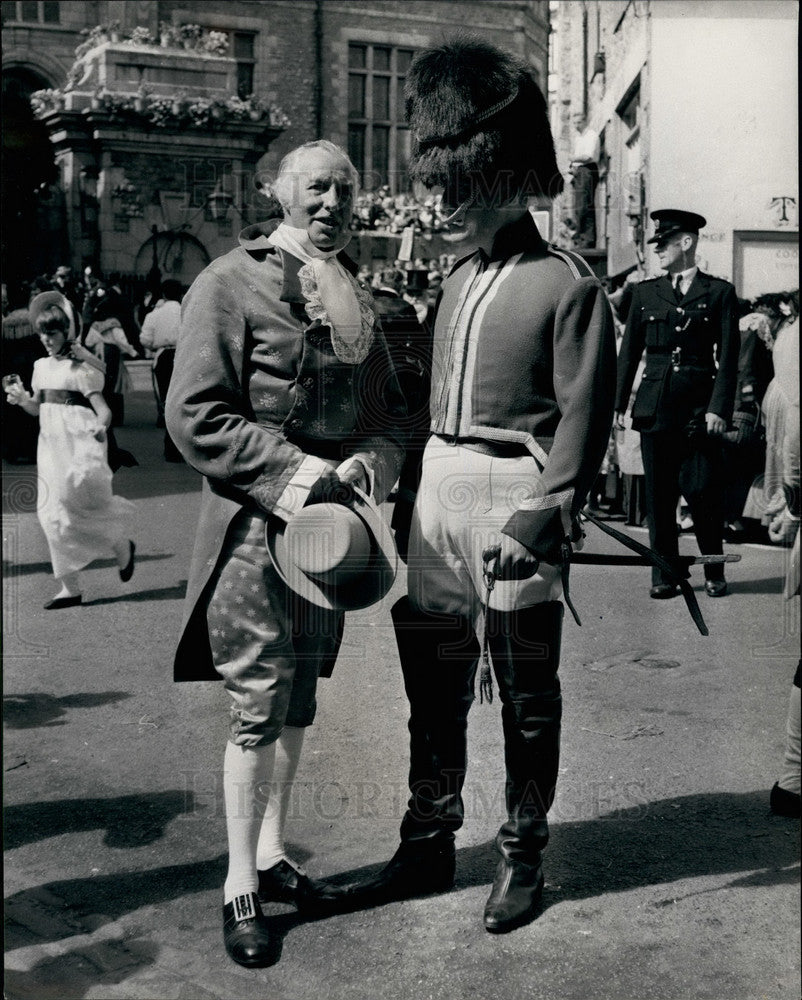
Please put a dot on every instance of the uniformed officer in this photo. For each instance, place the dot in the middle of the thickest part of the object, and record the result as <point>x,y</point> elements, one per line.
<point>688,323</point>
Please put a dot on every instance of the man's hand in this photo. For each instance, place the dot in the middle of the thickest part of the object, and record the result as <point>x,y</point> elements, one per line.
<point>329,488</point>
<point>783,528</point>
<point>619,420</point>
<point>511,560</point>
<point>355,475</point>
<point>715,423</point>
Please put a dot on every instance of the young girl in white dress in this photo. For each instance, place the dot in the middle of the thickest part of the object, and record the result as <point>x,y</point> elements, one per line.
<point>81,518</point>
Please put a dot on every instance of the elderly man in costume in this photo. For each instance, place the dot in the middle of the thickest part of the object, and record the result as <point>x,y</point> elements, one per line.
<point>521,408</point>
<point>283,396</point>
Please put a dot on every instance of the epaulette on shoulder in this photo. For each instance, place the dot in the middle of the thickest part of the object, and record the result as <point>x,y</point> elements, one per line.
<point>577,265</point>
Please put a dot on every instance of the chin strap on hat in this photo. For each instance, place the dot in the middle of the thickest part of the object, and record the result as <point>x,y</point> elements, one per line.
<point>433,140</point>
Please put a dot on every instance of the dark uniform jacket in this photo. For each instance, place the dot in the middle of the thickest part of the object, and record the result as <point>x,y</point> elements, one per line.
<point>691,354</point>
<point>524,354</point>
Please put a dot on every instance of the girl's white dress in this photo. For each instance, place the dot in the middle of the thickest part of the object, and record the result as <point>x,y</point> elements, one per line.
<point>80,516</point>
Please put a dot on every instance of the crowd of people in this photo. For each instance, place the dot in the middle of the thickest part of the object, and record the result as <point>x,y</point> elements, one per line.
<point>751,502</point>
<point>304,391</point>
<point>386,212</point>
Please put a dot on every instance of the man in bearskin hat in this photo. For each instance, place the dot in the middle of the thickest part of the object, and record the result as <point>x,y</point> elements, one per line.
<point>521,406</point>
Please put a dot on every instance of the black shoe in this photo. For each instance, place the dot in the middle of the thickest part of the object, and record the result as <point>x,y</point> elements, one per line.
<point>283,883</point>
<point>715,588</point>
<point>246,933</point>
<point>662,591</point>
<point>128,570</point>
<point>516,894</point>
<point>418,868</point>
<point>785,803</point>
<point>63,602</point>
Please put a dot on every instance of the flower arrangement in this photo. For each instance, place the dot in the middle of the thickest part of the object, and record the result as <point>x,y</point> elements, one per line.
<point>215,43</point>
<point>190,35</point>
<point>141,36</point>
<point>168,110</point>
<point>127,195</point>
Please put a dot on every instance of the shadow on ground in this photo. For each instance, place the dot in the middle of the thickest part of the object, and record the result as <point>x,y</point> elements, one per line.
<point>658,843</point>
<point>11,569</point>
<point>129,820</point>
<point>28,711</point>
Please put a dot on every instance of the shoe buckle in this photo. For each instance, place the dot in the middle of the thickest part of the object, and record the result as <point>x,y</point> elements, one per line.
<point>243,907</point>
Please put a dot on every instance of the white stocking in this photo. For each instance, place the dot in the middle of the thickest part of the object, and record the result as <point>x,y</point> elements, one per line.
<point>790,779</point>
<point>247,773</point>
<point>70,585</point>
<point>271,838</point>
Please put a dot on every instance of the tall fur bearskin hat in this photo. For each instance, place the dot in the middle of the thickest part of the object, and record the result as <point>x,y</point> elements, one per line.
<point>479,124</point>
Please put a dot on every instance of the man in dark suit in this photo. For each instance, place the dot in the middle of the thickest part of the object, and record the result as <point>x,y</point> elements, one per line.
<point>687,321</point>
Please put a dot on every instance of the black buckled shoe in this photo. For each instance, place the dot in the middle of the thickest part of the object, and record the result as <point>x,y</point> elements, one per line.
<point>785,803</point>
<point>246,933</point>
<point>516,894</point>
<point>73,601</point>
<point>418,868</point>
<point>284,883</point>
<point>663,591</point>
<point>127,571</point>
<point>716,588</point>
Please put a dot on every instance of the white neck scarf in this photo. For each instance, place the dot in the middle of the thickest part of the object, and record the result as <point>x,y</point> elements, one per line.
<point>332,283</point>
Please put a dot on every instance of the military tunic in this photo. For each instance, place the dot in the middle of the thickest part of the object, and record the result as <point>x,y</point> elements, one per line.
<point>691,346</point>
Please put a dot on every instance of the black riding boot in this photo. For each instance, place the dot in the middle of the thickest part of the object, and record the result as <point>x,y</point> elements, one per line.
<point>525,649</point>
<point>438,655</point>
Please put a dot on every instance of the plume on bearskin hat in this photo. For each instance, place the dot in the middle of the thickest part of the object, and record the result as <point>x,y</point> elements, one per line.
<point>479,123</point>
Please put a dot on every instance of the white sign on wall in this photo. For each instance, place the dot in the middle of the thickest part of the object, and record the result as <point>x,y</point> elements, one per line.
<point>766,264</point>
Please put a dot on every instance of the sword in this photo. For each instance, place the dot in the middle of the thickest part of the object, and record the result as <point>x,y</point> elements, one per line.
<point>676,570</point>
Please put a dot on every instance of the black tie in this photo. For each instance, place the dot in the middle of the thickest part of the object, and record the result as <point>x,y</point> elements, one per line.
<point>677,289</point>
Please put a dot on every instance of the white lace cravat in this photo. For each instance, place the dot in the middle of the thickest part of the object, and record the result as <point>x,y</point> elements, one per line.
<point>333,282</point>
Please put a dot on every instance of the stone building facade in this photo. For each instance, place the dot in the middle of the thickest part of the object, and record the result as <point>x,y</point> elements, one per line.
<point>127,190</point>
<point>695,105</point>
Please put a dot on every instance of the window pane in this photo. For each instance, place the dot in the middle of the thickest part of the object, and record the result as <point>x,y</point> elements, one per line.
<point>381,59</point>
<point>403,144</point>
<point>356,95</point>
<point>356,147</point>
<point>381,98</point>
<point>400,109</point>
<point>29,11</point>
<point>381,145</point>
<point>404,59</point>
<point>51,13</point>
<point>356,56</point>
<point>244,80</point>
<point>243,46</point>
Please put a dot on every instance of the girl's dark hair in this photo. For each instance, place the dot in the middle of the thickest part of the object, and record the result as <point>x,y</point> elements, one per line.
<point>51,320</point>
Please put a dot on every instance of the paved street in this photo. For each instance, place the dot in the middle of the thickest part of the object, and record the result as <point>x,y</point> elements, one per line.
<point>666,878</point>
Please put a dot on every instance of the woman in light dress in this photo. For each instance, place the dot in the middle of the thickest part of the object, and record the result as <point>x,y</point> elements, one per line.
<point>81,518</point>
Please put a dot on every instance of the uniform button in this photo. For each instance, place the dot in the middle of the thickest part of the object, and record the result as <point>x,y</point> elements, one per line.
<point>651,317</point>
<point>680,310</point>
<point>678,329</point>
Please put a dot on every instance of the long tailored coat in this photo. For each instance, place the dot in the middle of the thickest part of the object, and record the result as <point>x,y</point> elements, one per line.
<point>691,349</point>
<point>256,388</point>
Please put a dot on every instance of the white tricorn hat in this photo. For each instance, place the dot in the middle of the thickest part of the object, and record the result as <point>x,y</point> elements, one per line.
<point>336,556</point>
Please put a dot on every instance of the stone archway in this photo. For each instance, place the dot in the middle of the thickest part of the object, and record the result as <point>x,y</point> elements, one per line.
<point>31,201</point>
<point>178,255</point>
